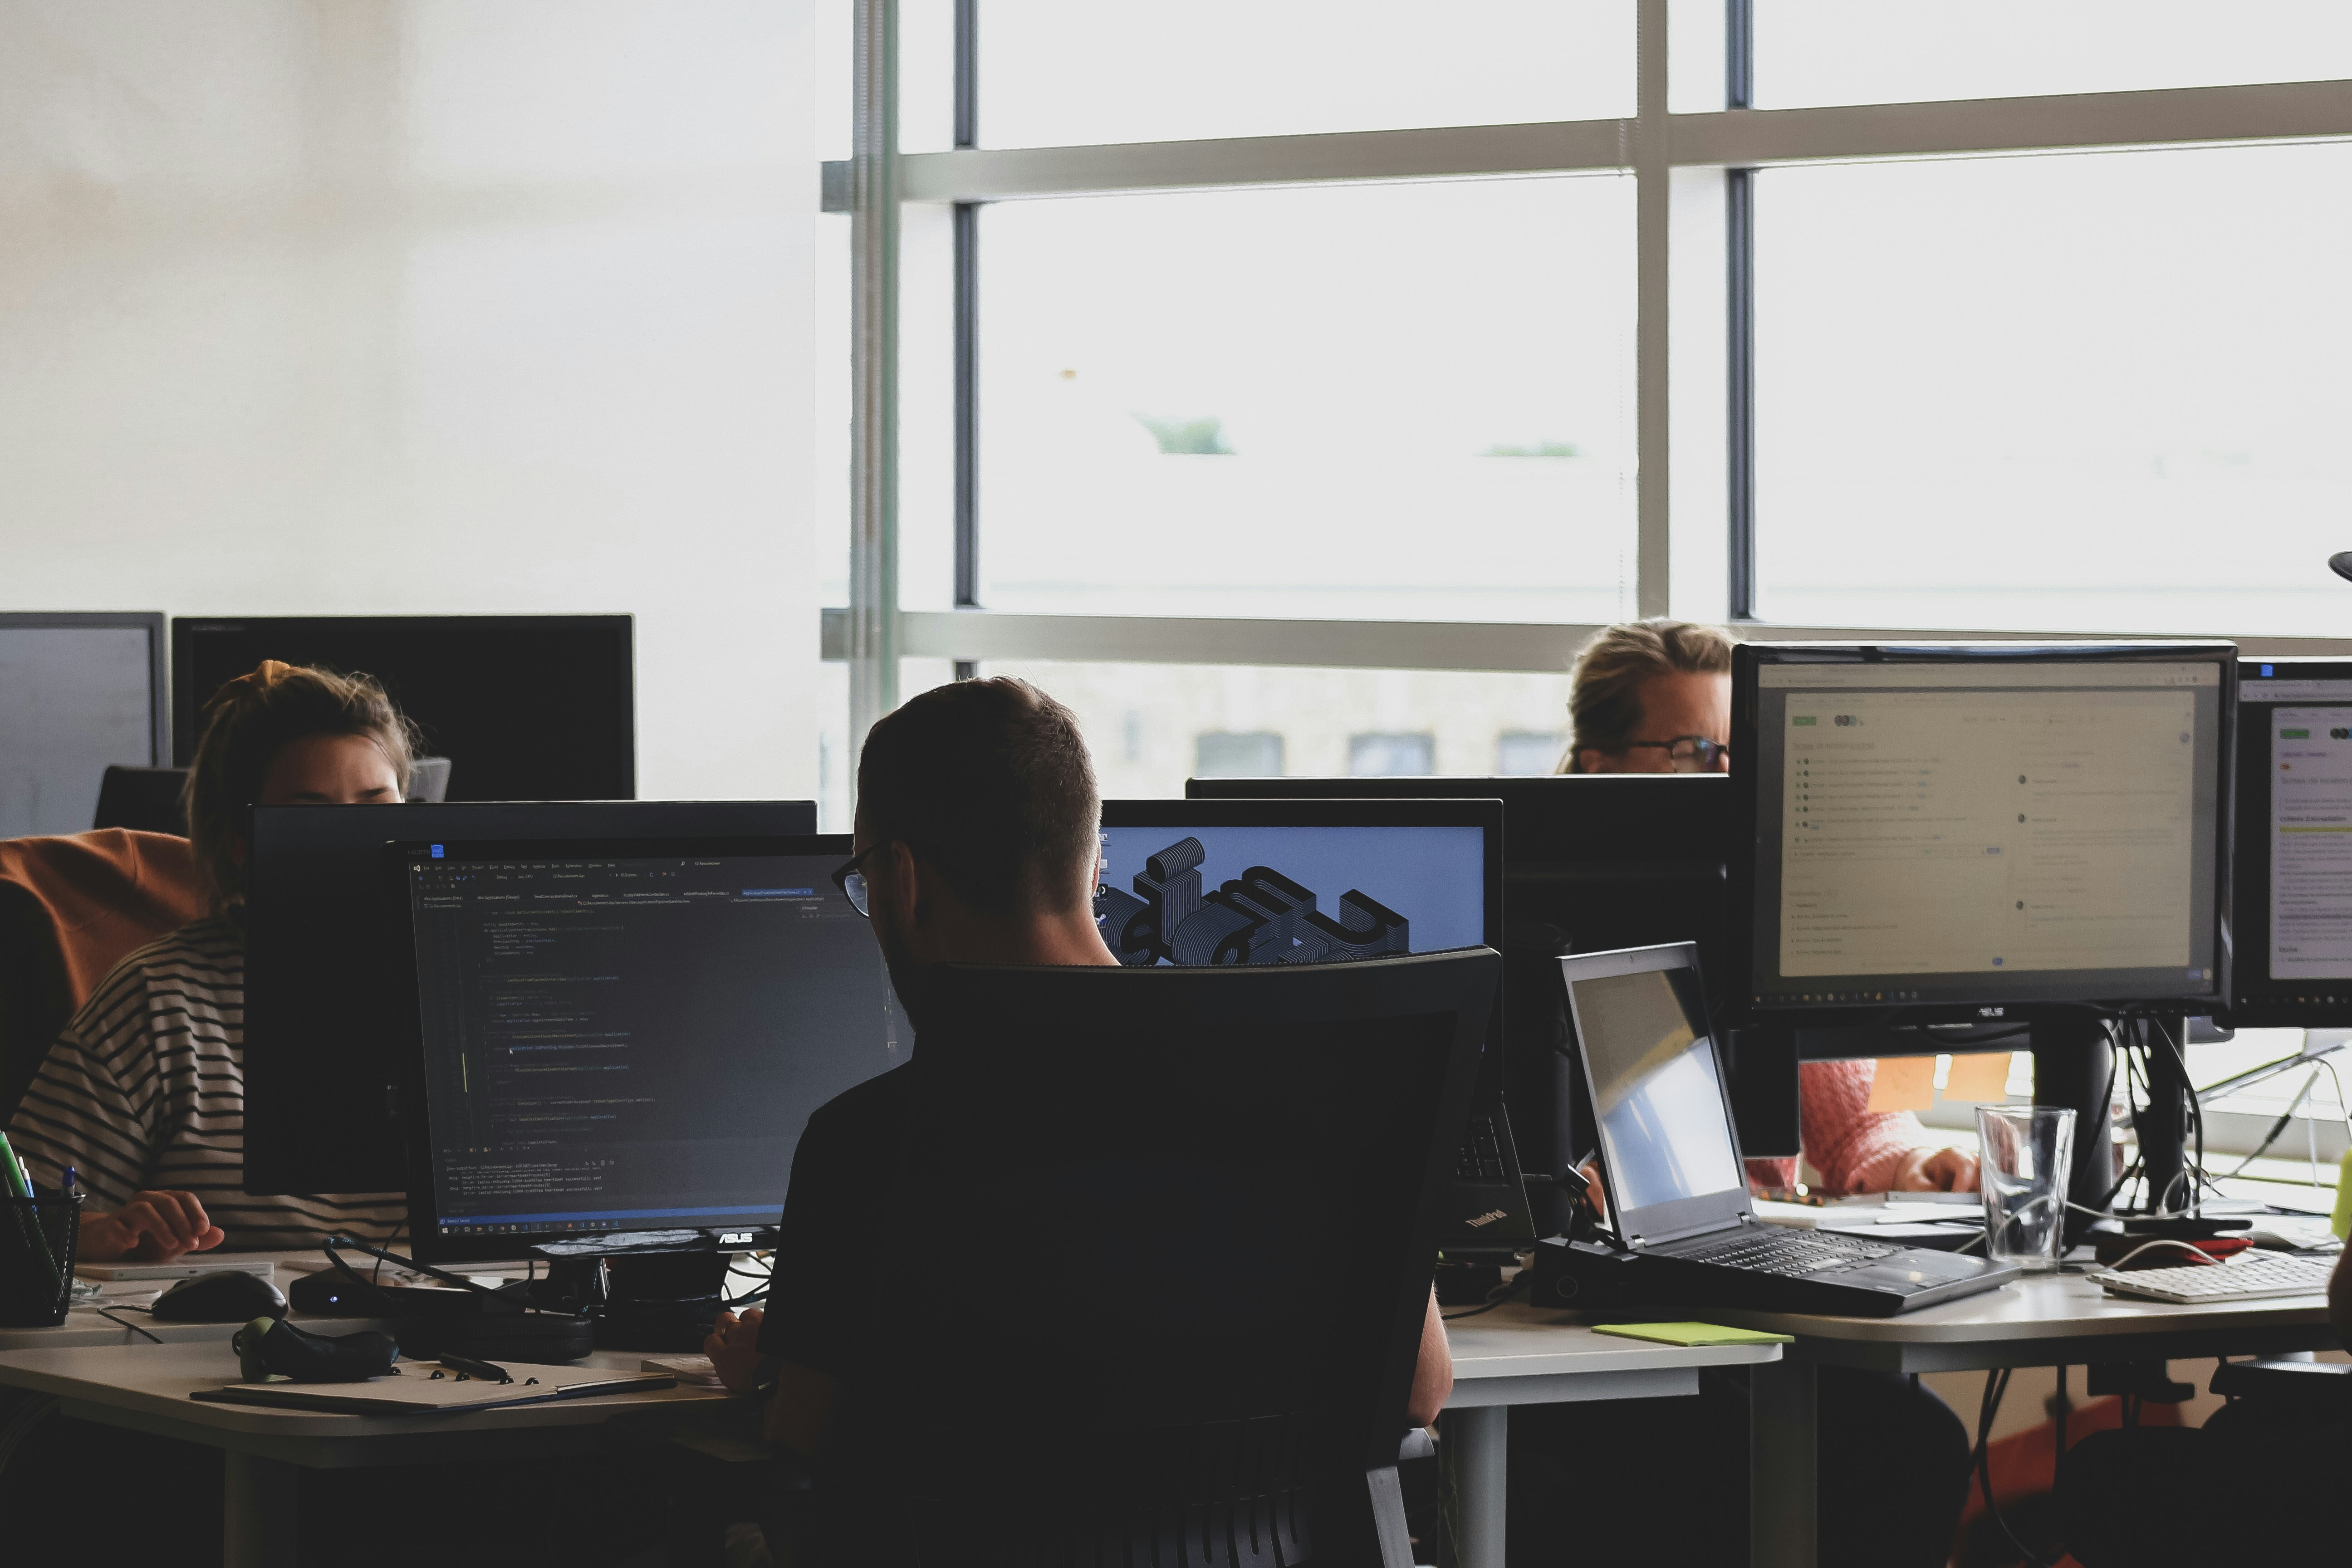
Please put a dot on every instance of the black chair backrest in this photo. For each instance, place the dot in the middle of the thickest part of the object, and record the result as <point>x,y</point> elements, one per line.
<point>147,799</point>
<point>1175,1238</point>
<point>36,998</point>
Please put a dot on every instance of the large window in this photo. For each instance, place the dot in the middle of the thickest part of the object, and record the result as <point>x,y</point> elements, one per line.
<point>1251,366</point>
<point>1384,402</point>
<point>2089,393</point>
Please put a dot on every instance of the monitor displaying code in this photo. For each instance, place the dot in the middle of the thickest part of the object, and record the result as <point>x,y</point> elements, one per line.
<point>2043,831</point>
<point>635,1043</point>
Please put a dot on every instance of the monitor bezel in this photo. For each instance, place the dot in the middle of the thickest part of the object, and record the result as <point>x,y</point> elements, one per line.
<point>159,690</point>
<point>2256,1001</point>
<point>430,1246</point>
<point>1741,1006</point>
<point>1655,1223</point>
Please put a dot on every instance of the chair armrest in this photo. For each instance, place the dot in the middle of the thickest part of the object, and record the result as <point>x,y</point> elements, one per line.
<point>1417,1445</point>
<point>2303,1384</point>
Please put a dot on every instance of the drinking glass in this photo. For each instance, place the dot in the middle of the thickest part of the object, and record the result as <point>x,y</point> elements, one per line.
<point>2027,1154</point>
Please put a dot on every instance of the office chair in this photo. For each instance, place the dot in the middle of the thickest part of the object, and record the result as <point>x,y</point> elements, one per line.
<point>70,909</point>
<point>1172,1236</point>
<point>144,799</point>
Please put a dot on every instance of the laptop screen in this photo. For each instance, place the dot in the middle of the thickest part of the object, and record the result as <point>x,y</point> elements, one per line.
<point>1657,1087</point>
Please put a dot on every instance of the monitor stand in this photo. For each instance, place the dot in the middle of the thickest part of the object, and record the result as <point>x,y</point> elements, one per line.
<point>2075,1066</point>
<point>2074,1063</point>
<point>644,1290</point>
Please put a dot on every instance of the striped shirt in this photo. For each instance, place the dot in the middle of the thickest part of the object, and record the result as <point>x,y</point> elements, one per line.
<point>145,1090</point>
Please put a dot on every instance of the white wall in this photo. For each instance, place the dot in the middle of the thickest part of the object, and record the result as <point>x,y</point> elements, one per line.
<point>426,306</point>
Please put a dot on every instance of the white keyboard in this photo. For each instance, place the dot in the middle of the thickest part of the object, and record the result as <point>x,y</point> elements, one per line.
<point>2252,1275</point>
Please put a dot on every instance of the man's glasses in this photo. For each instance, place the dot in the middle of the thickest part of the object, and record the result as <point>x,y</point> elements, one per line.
<point>1688,753</point>
<point>852,882</point>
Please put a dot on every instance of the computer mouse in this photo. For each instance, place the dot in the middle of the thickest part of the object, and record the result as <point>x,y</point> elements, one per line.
<point>227,1296</point>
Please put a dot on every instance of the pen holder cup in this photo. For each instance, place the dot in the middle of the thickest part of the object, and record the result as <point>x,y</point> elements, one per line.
<point>37,1259</point>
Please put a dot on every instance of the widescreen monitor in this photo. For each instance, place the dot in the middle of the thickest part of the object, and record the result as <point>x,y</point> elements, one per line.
<point>324,1061</point>
<point>525,707</point>
<point>1982,831</point>
<point>2292,914</point>
<point>79,693</point>
<point>627,1035</point>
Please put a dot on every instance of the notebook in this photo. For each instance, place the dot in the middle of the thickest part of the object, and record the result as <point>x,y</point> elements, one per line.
<point>412,1389</point>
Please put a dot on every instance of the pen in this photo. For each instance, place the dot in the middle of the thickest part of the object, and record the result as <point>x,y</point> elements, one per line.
<point>473,1368</point>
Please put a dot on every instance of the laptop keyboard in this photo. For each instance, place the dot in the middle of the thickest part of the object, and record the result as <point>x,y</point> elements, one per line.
<point>1789,1252</point>
<point>1481,1158</point>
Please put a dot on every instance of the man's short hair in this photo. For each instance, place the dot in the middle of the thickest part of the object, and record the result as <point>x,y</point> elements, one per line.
<point>1604,689</point>
<point>990,781</point>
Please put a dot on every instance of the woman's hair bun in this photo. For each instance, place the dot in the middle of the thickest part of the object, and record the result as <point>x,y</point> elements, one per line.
<point>252,683</point>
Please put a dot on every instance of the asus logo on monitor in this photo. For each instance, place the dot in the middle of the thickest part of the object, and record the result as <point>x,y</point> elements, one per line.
<point>735,1238</point>
<point>1991,1012</point>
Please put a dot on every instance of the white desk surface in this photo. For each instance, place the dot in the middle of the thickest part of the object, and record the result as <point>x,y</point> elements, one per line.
<point>2039,1306</point>
<point>156,1381</point>
<point>1517,1341</point>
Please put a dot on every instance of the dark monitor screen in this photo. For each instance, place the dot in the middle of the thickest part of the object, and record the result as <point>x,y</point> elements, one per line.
<point>1972,831</point>
<point>79,694</point>
<point>324,1060</point>
<point>2292,914</point>
<point>629,1036</point>
<point>1193,883</point>
<point>525,707</point>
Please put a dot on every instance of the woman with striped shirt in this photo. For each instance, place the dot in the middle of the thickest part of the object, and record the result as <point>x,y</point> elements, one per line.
<point>144,1095</point>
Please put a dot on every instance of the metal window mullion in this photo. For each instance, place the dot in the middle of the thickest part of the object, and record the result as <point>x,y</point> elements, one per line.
<point>1739,226</point>
<point>874,627</point>
<point>1653,284</point>
<point>967,405</point>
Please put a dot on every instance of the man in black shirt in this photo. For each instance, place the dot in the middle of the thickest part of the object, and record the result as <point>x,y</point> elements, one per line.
<point>977,842</point>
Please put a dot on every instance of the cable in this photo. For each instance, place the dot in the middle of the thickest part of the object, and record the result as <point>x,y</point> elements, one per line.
<point>2198,1252</point>
<point>1495,1298</point>
<point>108,1313</point>
<point>1996,1386</point>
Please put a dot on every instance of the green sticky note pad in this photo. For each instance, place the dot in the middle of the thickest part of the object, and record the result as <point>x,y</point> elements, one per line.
<point>1693,1334</point>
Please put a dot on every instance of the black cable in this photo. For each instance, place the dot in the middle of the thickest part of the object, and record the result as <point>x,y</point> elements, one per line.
<point>1996,1386</point>
<point>375,1275</point>
<point>1495,1298</point>
<point>109,1315</point>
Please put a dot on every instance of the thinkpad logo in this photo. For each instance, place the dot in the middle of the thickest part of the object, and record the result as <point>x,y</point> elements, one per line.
<point>1487,1218</point>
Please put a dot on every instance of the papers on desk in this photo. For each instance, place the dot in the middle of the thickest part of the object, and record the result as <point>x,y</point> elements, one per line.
<point>1694,1334</point>
<point>414,1390</point>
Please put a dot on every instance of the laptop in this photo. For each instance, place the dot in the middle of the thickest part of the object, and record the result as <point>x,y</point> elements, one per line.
<point>1488,1206</point>
<point>1671,1169</point>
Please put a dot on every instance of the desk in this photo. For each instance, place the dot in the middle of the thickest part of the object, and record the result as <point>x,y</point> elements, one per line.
<point>145,1387</point>
<point>1517,1355</point>
<point>2042,1320</point>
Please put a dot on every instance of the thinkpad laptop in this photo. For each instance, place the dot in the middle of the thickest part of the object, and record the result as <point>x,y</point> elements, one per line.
<point>1676,1189</point>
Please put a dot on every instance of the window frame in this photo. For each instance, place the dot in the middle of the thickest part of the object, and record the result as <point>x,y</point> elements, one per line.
<point>1652,147</point>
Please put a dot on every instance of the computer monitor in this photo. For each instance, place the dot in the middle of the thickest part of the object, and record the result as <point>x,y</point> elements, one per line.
<point>1591,862</point>
<point>1262,881</point>
<point>1964,832</point>
<point>323,1060</point>
<point>525,707</point>
<point>627,1035</point>
<point>79,694</point>
<point>2292,909</point>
